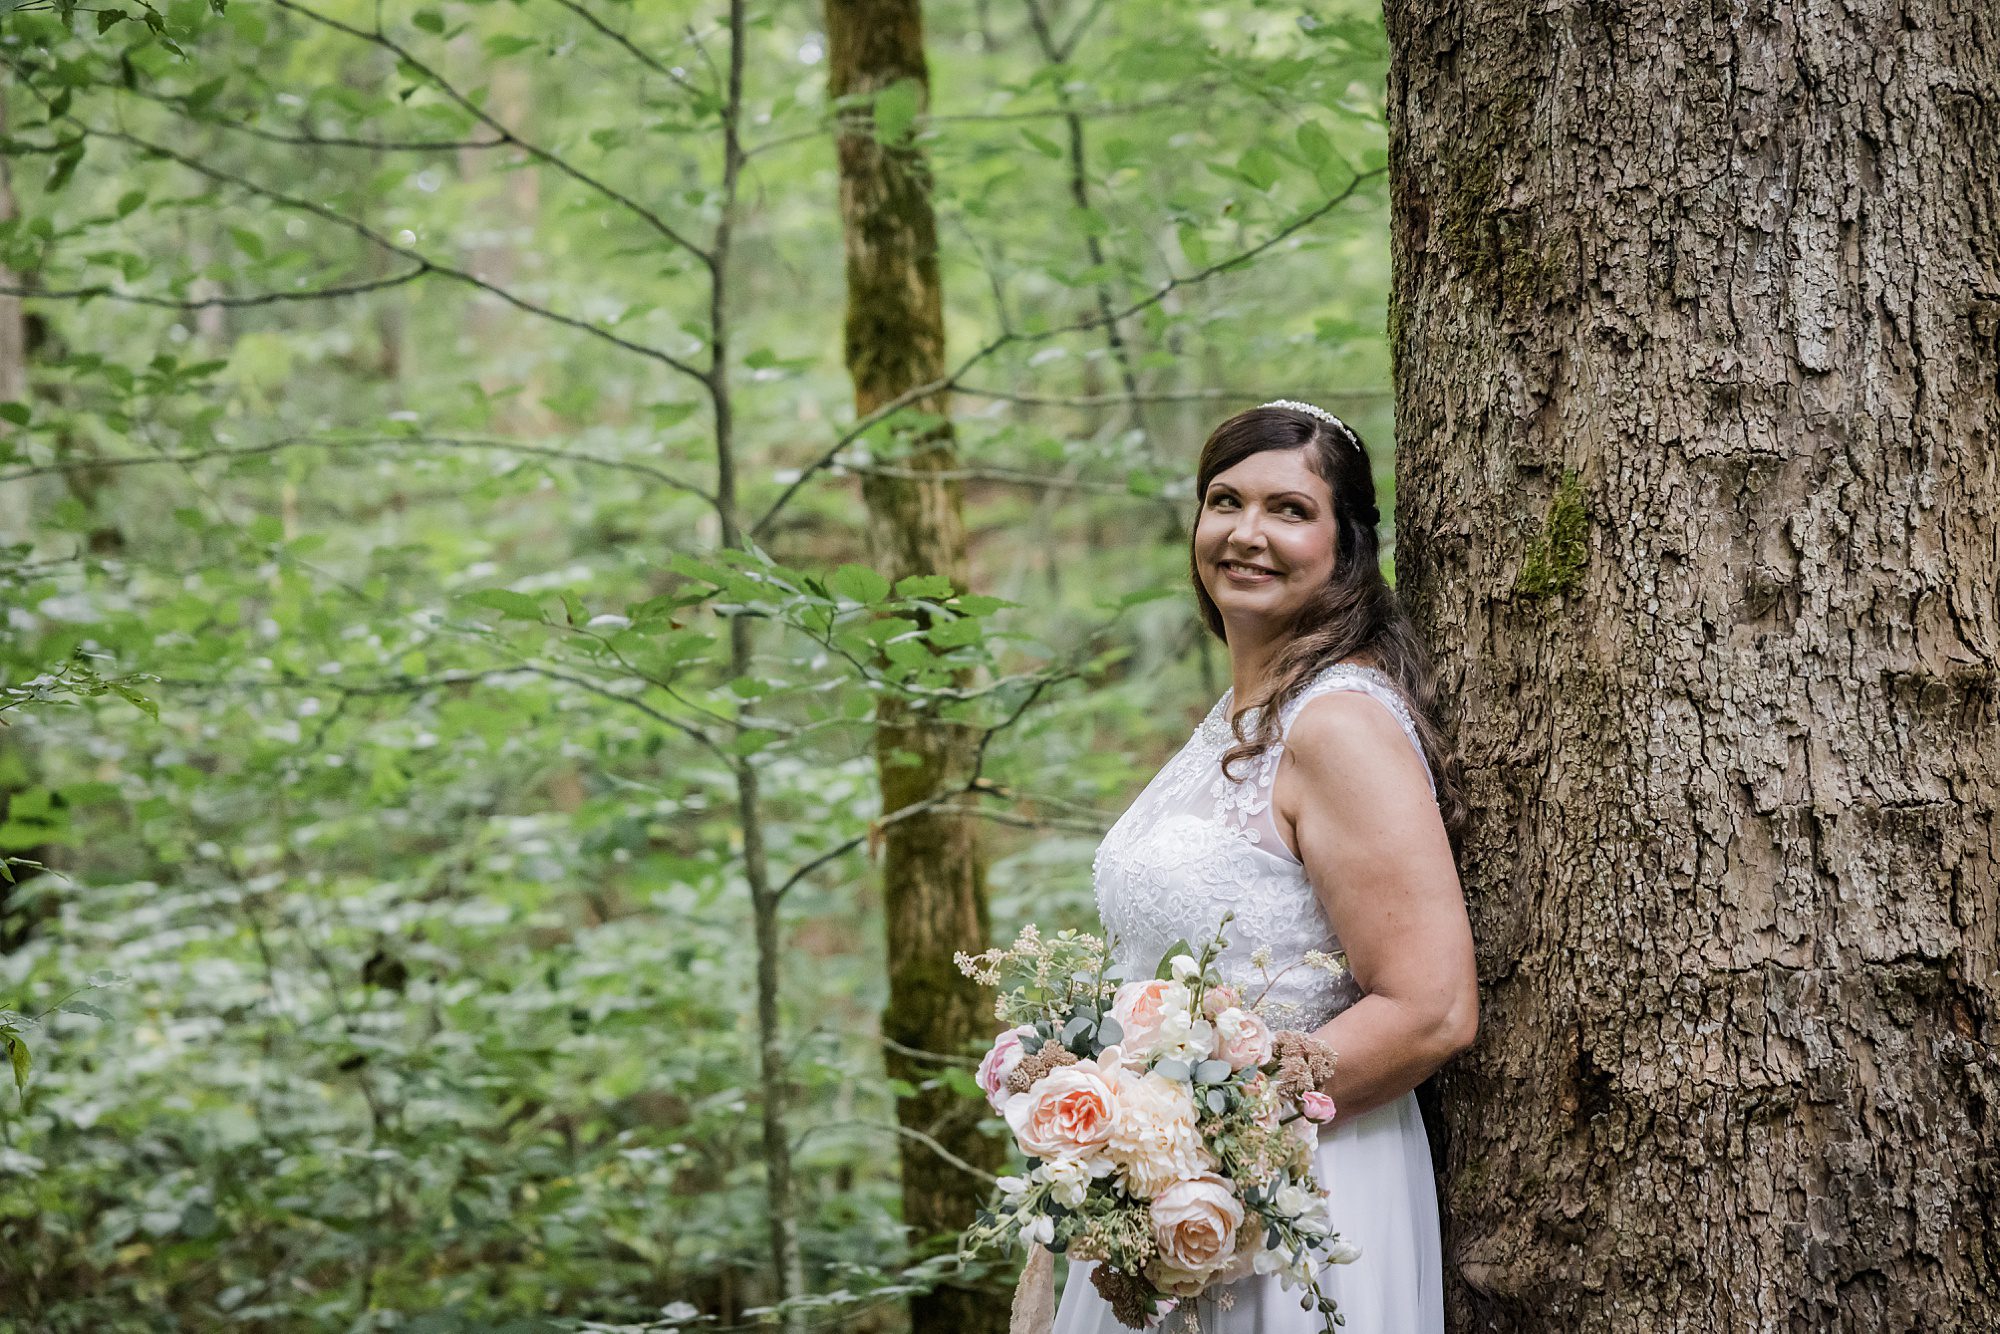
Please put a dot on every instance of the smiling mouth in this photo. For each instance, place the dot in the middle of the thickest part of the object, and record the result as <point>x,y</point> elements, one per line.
<point>1244,567</point>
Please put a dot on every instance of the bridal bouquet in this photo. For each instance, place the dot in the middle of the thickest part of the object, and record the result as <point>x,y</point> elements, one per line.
<point>1168,1130</point>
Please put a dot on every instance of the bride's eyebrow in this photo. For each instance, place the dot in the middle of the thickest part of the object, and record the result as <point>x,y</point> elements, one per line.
<point>1300,496</point>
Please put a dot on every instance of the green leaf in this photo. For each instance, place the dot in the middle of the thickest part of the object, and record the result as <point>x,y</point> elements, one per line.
<point>1314,144</point>
<point>956,634</point>
<point>1260,167</point>
<point>508,45</point>
<point>923,586</point>
<point>510,605</point>
<point>428,19</point>
<point>1166,968</point>
<point>896,110</point>
<point>84,1007</point>
<point>135,699</point>
<point>1045,146</point>
<point>16,413</point>
<point>858,583</point>
<point>17,1052</point>
<point>1193,245</point>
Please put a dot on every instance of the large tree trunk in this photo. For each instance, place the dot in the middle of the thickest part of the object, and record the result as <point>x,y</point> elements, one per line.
<point>1696,363</point>
<point>934,898</point>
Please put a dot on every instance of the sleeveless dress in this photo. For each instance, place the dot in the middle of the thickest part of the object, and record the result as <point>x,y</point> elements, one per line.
<point>1194,845</point>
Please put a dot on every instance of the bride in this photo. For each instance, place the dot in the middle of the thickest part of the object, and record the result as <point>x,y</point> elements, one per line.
<point>1318,813</point>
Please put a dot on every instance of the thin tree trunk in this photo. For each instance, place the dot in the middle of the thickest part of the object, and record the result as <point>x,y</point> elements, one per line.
<point>1697,335</point>
<point>933,890</point>
<point>780,1197</point>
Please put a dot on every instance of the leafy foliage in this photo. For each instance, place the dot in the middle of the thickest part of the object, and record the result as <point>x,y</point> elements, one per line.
<point>375,705</point>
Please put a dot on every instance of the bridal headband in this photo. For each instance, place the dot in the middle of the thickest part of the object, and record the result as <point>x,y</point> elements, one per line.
<point>1312,411</point>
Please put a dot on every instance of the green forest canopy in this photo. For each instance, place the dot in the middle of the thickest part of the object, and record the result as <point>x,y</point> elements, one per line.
<point>365,589</point>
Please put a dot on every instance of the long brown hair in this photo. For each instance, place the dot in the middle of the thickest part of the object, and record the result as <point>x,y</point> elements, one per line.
<point>1354,612</point>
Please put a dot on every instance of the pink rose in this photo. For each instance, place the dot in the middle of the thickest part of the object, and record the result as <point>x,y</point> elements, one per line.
<point>1242,1038</point>
<point>1195,1225</point>
<point>999,1063</point>
<point>1316,1106</point>
<point>1067,1114</point>
<point>1139,1008</point>
<point>1217,999</point>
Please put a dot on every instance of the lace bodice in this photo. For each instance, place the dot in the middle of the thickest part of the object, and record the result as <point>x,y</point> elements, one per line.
<point>1197,844</point>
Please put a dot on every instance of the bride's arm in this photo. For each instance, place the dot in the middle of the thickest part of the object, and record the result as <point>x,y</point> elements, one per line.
<point>1375,849</point>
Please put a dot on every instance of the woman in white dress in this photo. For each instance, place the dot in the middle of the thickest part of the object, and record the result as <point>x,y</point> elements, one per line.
<point>1321,813</point>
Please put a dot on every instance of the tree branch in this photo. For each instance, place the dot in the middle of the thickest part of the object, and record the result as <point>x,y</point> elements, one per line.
<point>369,442</point>
<point>369,234</point>
<point>636,52</point>
<point>227,302</point>
<point>540,154</point>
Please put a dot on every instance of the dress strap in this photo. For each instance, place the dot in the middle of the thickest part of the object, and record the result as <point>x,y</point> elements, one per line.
<point>1377,685</point>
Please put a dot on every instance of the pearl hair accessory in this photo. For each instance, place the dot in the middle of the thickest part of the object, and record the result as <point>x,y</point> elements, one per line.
<point>1320,413</point>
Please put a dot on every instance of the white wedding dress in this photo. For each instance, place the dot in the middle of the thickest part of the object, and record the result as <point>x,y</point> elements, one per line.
<point>1193,846</point>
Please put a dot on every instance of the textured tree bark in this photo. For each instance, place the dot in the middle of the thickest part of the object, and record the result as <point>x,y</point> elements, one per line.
<point>1697,336</point>
<point>932,876</point>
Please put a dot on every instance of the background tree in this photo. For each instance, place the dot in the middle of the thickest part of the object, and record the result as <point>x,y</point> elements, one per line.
<point>1695,341</point>
<point>933,895</point>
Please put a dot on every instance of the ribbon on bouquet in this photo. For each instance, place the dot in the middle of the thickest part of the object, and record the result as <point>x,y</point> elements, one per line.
<point>1035,1295</point>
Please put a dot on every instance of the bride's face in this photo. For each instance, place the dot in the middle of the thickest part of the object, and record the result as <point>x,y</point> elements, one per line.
<point>1265,538</point>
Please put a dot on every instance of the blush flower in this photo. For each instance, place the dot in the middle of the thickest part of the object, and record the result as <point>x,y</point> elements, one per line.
<point>1139,1008</point>
<point>1195,1224</point>
<point>999,1063</point>
<point>1316,1106</point>
<point>1217,999</point>
<point>1242,1038</point>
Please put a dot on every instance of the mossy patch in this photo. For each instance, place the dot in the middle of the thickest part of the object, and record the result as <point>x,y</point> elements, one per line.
<point>1553,563</point>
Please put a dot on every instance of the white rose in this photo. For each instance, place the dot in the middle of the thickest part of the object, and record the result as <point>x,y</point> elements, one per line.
<point>1068,1180</point>
<point>1153,1138</point>
<point>1185,968</point>
<point>1185,1038</point>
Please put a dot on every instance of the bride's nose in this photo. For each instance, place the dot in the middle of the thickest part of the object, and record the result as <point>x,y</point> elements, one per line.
<point>1247,533</point>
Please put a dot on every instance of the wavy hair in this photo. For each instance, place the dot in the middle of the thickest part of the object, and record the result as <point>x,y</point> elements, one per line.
<point>1354,613</point>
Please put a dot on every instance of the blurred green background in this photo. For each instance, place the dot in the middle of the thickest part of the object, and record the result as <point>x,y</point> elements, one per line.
<point>379,957</point>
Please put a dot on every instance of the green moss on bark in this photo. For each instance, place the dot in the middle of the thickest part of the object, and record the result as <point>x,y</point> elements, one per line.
<point>1553,563</point>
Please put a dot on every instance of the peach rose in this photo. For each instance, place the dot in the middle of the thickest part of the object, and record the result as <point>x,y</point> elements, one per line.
<point>1139,1008</point>
<point>1316,1106</point>
<point>1067,1114</point>
<point>1195,1225</point>
<point>1242,1038</point>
